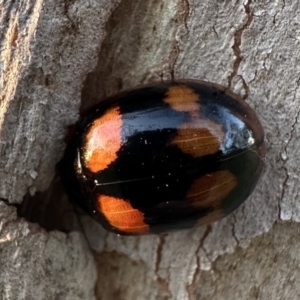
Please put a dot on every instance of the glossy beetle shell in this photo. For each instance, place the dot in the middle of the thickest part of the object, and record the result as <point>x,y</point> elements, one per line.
<point>163,157</point>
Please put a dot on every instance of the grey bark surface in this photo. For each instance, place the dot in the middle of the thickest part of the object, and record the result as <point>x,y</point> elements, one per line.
<point>58,57</point>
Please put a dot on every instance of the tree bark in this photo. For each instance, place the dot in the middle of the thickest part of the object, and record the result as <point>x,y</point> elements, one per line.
<point>60,57</point>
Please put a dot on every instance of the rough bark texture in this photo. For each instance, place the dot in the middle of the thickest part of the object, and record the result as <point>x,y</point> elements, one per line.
<point>58,55</point>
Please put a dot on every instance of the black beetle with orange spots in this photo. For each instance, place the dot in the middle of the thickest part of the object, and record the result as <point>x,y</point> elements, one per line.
<point>164,157</point>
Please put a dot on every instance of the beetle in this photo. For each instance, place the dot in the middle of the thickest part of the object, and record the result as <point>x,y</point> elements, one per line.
<point>163,157</point>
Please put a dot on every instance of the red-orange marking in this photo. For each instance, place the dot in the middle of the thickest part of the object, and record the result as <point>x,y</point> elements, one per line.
<point>182,98</point>
<point>209,192</point>
<point>103,140</point>
<point>196,141</point>
<point>211,189</point>
<point>200,136</point>
<point>120,214</point>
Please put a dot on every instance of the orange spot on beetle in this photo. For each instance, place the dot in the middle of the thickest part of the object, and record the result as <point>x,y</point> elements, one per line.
<point>103,140</point>
<point>211,189</point>
<point>121,215</point>
<point>200,136</point>
<point>182,98</point>
<point>196,141</point>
